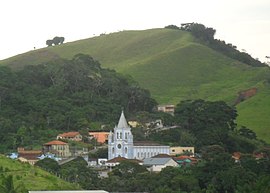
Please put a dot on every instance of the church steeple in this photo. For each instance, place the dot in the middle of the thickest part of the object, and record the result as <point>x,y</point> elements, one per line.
<point>122,121</point>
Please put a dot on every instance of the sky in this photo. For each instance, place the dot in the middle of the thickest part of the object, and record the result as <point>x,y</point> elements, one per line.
<point>27,24</point>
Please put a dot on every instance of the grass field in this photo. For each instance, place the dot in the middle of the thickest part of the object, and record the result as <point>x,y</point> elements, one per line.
<point>174,67</point>
<point>32,177</point>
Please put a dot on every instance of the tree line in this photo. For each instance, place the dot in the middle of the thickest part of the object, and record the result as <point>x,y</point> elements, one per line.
<point>42,100</point>
<point>206,36</point>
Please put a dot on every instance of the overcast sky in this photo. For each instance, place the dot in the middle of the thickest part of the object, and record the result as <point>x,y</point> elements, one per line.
<point>26,24</point>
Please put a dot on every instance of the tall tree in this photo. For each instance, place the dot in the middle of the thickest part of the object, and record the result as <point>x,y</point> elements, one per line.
<point>210,122</point>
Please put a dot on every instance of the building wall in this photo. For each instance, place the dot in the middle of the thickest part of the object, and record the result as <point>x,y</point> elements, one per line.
<point>119,147</point>
<point>142,152</point>
<point>181,150</point>
<point>61,150</point>
<point>77,137</point>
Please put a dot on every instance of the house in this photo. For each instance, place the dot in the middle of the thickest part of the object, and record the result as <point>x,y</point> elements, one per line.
<point>185,160</point>
<point>236,156</point>
<point>134,124</point>
<point>101,137</point>
<point>73,136</point>
<point>117,160</point>
<point>59,148</point>
<point>28,156</point>
<point>166,109</point>
<point>181,150</point>
<point>158,163</point>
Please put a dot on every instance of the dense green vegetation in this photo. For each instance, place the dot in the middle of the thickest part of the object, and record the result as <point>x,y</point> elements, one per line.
<point>174,65</point>
<point>204,123</point>
<point>216,172</point>
<point>39,101</point>
<point>22,177</point>
<point>211,128</point>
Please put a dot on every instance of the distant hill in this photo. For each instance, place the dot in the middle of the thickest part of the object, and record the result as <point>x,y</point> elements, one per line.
<point>174,66</point>
<point>32,177</point>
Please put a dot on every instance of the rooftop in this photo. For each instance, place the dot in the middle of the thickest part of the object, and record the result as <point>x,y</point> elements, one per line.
<point>156,161</point>
<point>56,142</point>
<point>69,134</point>
<point>122,121</point>
<point>146,143</point>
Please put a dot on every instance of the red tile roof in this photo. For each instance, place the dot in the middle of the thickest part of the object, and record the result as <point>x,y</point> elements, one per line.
<point>116,159</point>
<point>183,157</point>
<point>236,155</point>
<point>30,156</point>
<point>69,134</point>
<point>101,137</point>
<point>56,142</point>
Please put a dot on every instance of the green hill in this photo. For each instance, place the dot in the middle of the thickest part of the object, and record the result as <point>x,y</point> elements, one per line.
<point>33,178</point>
<point>174,67</point>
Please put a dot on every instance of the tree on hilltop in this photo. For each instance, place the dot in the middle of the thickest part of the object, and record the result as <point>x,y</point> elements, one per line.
<point>56,41</point>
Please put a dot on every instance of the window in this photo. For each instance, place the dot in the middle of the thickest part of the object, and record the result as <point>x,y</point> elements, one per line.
<point>119,146</point>
<point>120,135</point>
<point>113,150</point>
<point>125,150</point>
<point>173,150</point>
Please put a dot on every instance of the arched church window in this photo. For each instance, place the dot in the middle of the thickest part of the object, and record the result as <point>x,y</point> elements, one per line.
<point>120,135</point>
<point>117,135</point>
<point>113,150</point>
<point>125,135</point>
<point>138,154</point>
<point>125,150</point>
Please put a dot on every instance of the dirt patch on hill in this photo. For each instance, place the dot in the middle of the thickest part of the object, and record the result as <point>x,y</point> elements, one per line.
<point>246,94</point>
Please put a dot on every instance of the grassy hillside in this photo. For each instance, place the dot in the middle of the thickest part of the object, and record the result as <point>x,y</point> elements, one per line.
<point>33,178</point>
<point>174,67</point>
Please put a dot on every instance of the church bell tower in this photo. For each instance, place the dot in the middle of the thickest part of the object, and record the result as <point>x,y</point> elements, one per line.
<point>120,142</point>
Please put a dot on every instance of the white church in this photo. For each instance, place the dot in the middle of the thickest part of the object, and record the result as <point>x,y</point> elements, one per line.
<point>120,144</point>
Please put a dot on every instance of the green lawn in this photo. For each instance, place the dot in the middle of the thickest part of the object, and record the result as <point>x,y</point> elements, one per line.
<point>32,177</point>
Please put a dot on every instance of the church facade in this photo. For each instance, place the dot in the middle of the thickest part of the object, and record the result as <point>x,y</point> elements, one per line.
<point>120,144</point>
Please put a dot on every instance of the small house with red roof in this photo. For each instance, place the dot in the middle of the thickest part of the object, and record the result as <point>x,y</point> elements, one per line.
<point>101,137</point>
<point>185,160</point>
<point>73,136</point>
<point>59,148</point>
<point>28,156</point>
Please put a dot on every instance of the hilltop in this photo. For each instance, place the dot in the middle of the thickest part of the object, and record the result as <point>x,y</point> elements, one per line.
<point>33,178</point>
<point>174,66</point>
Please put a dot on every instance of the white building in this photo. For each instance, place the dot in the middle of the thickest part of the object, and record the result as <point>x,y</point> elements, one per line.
<point>120,144</point>
<point>158,163</point>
